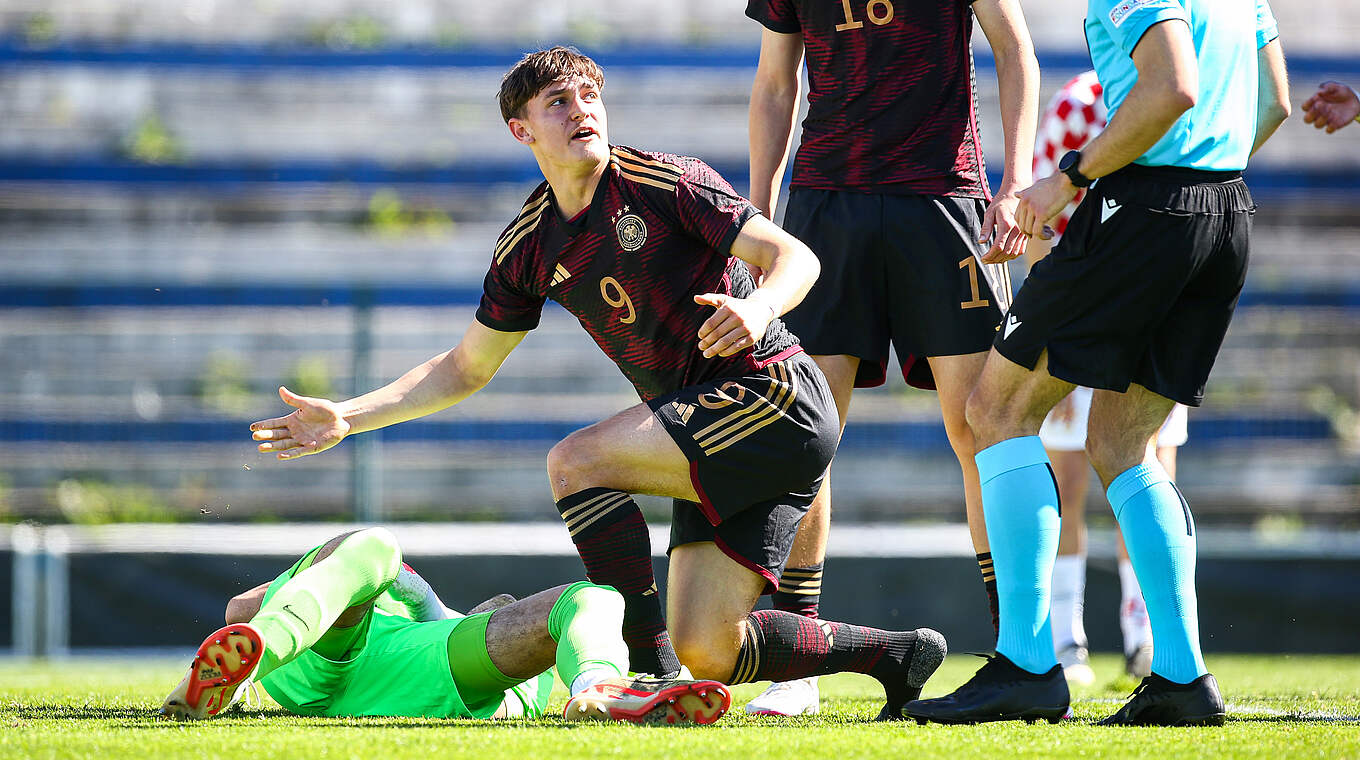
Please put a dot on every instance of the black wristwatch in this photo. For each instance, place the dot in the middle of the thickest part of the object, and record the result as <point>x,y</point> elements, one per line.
<point>1068,165</point>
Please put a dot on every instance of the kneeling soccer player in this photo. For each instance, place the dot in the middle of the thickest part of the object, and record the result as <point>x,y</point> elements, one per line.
<point>349,631</point>
<point>650,252</point>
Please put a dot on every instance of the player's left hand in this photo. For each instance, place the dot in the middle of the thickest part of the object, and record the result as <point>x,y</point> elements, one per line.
<point>1041,202</point>
<point>738,324</point>
<point>998,226</point>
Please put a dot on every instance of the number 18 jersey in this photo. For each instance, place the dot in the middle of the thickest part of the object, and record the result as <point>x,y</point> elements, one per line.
<point>658,232</point>
<point>891,101</point>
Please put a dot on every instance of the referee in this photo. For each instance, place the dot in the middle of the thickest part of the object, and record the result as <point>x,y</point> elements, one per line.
<point>1134,302</point>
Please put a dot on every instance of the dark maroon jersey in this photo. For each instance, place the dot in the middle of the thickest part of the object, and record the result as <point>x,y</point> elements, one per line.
<point>657,233</point>
<point>891,101</point>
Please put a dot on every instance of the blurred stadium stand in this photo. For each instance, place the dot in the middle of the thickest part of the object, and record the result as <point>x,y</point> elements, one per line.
<point>200,202</point>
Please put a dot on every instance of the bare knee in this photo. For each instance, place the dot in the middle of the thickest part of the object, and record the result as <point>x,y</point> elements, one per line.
<point>708,656</point>
<point>978,414</point>
<point>573,464</point>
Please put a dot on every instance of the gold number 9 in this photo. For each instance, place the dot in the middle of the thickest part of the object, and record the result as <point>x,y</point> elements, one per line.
<point>618,299</point>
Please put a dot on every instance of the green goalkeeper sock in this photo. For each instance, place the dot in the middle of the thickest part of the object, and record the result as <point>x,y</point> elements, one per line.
<point>587,624</point>
<point>306,605</point>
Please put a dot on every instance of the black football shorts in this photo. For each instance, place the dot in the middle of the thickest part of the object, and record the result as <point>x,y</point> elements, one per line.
<point>1141,287</point>
<point>899,269</point>
<point>758,447</point>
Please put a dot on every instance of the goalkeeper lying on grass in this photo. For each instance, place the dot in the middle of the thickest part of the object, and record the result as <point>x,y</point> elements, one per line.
<point>349,630</point>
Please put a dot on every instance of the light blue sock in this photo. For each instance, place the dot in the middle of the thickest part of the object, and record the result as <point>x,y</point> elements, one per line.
<point>1160,535</point>
<point>1020,503</point>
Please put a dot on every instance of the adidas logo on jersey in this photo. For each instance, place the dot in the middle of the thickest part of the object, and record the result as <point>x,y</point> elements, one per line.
<point>1011,324</point>
<point>685,410</point>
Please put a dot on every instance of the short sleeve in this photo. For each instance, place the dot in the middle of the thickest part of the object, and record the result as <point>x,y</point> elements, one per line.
<point>507,304</point>
<point>776,15</point>
<point>710,209</point>
<point>1266,29</point>
<point>1126,21</point>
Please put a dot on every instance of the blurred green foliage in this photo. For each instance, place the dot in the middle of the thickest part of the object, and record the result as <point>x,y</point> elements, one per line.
<point>390,216</point>
<point>151,142</point>
<point>223,385</point>
<point>311,376</point>
<point>95,502</point>
<point>354,33</point>
<point>40,30</point>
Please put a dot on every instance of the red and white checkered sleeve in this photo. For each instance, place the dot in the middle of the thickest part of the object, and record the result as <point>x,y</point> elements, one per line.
<point>1073,117</point>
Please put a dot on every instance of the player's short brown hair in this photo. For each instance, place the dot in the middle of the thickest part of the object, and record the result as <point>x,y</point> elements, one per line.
<point>539,69</point>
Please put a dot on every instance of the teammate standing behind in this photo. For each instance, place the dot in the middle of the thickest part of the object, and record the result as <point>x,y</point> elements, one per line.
<point>1134,302</point>
<point>890,191</point>
<point>736,424</point>
<point>1074,116</point>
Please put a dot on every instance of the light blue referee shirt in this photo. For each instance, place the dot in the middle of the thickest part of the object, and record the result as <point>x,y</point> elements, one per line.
<point>1217,134</point>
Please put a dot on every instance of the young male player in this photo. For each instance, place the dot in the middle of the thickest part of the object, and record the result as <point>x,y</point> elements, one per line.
<point>889,189</point>
<point>1073,117</point>
<point>349,630</point>
<point>1133,302</point>
<point>647,250</point>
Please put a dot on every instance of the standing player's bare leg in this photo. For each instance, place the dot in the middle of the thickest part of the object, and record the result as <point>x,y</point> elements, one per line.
<point>955,378</point>
<point>800,587</point>
<point>1020,500</point>
<point>1159,531</point>
<point>719,637</point>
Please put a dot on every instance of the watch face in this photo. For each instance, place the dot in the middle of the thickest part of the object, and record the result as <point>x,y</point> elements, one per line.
<point>1069,159</point>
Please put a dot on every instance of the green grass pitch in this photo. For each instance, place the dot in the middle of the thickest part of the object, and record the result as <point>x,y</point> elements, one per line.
<point>1279,707</point>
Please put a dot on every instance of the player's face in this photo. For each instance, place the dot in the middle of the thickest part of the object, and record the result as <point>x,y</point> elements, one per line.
<point>565,123</point>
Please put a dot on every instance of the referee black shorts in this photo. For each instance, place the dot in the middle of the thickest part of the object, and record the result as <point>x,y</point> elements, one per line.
<point>899,270</point>
<point>1141,287</point>
<point>758,446</point>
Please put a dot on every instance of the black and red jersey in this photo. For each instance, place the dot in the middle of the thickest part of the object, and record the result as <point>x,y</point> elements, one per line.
<point>891,103</point>
<point>658,232</point>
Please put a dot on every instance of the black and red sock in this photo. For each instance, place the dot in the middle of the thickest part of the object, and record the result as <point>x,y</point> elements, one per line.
<point>800,590</point>
<point>611,536</point>
<point>781,646</point>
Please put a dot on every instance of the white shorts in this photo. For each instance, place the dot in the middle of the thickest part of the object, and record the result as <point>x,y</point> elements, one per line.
<point>1070,434</point>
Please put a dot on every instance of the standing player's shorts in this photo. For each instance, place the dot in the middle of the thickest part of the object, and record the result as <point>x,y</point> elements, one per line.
<point>1070,434</point>
<point>396,666</point>
<point>1142,285</point>
<point>758,446</point>
<point>899,269</point>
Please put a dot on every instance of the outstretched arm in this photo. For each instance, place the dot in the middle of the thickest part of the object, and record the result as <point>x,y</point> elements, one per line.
<point>441,382</point>
<point>790,269</point>
<point>1017,73</point>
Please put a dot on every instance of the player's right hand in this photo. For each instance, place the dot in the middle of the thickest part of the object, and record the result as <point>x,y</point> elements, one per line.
<point>316,426</point>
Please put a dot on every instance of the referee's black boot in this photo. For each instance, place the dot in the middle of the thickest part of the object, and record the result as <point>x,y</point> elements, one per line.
<point>1000,690</point>
<point>1159,702</point>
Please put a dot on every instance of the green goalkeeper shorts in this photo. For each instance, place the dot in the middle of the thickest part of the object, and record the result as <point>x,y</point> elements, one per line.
<point>396,666</point>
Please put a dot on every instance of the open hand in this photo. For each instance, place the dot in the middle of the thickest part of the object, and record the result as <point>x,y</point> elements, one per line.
<point>1332,107</point>
<point>316,426</point>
